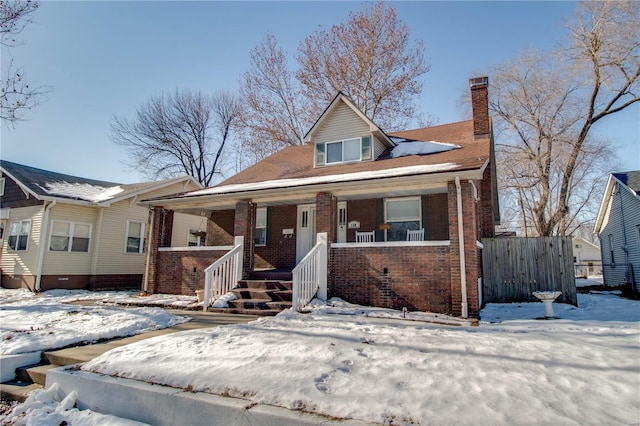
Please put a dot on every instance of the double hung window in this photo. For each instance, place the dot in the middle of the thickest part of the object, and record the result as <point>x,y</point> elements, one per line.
<point>196,238</point>
<point>19,235</point>
<point>70,236</point>
<point>135,237</point>
<point>261,226</point>
<point>402,214</point>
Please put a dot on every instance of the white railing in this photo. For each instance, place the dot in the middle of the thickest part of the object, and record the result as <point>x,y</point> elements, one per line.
<point>223,274</point>
<point>310,275</point>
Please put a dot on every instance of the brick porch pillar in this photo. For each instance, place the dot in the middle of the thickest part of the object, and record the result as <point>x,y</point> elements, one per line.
<point>471,252</point>
<point>327,215</point>
<point>161,225</point>
<point>245,225</point>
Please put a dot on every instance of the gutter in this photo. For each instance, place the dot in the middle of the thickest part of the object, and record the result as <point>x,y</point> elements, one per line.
<point>147,265</point>
<point>463,269</point>
<point>43,242</point>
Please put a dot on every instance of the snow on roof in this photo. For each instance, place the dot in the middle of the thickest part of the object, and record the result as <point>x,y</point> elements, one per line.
<point>314,180</point>
<point>83,191</point>
<point>406,147</point>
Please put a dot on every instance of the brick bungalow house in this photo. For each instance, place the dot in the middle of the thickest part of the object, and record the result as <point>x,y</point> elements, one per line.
<point>351,177</point>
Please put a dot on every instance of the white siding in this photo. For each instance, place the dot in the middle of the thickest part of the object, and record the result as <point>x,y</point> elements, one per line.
<point>23,262</point>
<point>378,148</point>
<point>69,263</point>
<point>343,123</point>
<point>112,256</point>
<point>622,224</point>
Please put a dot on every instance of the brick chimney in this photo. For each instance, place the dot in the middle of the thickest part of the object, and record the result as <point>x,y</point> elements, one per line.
<point>480,105</point>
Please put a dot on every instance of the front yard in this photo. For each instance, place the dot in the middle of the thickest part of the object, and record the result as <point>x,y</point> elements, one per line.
<point>348,361</point>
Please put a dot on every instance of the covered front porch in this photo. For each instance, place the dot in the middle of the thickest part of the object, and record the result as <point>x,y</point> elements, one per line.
<point>428,273</point>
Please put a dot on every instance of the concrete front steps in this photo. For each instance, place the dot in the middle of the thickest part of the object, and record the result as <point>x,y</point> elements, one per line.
<point>265,297</point>
<point>33,377</point>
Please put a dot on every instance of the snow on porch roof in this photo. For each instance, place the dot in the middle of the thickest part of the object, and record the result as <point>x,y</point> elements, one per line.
<point>315,180</point>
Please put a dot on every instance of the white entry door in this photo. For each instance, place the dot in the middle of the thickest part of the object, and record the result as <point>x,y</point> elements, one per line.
<point>342,222</point>
<point>306,238</point>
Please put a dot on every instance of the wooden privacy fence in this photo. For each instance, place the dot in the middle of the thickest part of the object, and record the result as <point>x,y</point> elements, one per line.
<point>513,268</point>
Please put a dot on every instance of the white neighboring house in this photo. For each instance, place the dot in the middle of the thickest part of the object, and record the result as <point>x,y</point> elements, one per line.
<point>62,231</point>
<point>586,258</point>
<point>618,227</point>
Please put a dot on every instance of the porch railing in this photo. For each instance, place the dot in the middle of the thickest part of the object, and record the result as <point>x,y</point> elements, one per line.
<point>223,274</point>
<point>310,275</point>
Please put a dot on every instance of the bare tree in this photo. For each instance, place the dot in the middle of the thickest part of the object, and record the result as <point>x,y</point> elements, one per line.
<point>546,105</point>
<point>369,57</point>
<point>182,133</point>
<point>17,96</point>
<point>274,115</point>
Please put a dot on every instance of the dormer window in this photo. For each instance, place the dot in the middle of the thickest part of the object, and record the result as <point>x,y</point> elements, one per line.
<point>344,151</point>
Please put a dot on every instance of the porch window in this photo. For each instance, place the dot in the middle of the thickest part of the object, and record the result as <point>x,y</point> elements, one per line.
<point>196,238</point>
<point>402,214</point>
<point>261,226</point>
<point>69,236</point>
<point>19,234</point>
<point>344,151</point>
<point>135,237</point>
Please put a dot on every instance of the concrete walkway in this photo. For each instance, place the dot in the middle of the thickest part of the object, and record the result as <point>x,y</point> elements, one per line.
<point>18,391</point>
<point>199,320</point>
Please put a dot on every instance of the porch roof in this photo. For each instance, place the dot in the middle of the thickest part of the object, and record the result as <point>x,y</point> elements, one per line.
<point>289,175</point>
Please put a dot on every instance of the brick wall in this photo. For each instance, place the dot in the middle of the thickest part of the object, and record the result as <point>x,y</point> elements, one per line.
<point>280,252</point>
<point>220,227</point>
<point>364,211</point>
<point>115,282</point>
<point>417,278</point>
<point>182,272</point>
<point>437,226</point>
<point>245,225</point>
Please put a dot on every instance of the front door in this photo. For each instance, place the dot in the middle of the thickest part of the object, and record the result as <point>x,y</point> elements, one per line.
<point>306,230</point>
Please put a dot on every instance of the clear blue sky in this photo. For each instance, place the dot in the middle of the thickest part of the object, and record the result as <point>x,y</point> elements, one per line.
<point>105,58</point>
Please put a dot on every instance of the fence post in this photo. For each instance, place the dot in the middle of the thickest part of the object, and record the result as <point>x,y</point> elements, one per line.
<point>322,266</point>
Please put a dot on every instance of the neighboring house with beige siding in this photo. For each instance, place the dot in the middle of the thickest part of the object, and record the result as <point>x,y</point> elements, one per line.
<point>61,231</point>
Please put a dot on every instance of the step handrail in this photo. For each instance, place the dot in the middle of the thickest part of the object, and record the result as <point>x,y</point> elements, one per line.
<point>310,275</point>
<point>223,274</point>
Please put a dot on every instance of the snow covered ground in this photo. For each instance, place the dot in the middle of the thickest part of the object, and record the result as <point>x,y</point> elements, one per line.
<point>351,361</point>
<point>30,322</point>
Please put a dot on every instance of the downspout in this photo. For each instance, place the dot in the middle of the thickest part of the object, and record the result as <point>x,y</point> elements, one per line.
<point>43,242</point>
<point>463,269</point>
<point>96,245</point>
<point>145,284</point>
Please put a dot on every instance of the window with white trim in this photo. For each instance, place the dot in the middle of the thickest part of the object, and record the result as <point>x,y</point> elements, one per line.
<point>70,236</point>
<point>344,151</point>
<point>19,235</point>
<point>135,240</point>
<point>402,214</point>
<point>196,238</point>
<point>2,183</point>
<point>261,226</point>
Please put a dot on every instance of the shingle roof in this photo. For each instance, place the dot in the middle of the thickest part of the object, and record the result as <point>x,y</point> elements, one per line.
<point>45,183</point>
<point>631,179</point>
<point>296,162</point>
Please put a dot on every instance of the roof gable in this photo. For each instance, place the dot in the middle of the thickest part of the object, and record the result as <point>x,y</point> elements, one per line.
<point>627,180</point>
<point>342,108</point>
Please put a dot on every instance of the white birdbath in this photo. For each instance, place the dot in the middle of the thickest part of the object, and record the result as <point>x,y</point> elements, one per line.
<point>547,298</point>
